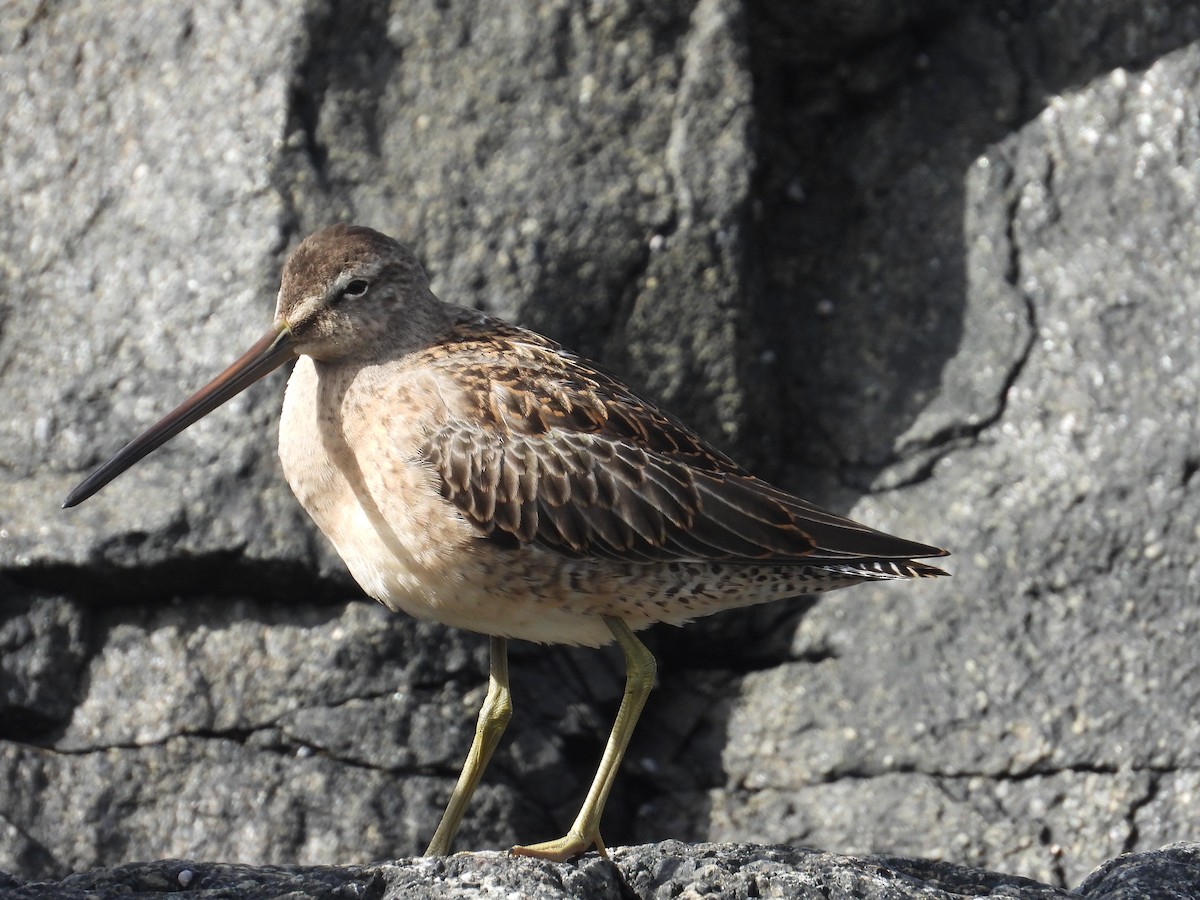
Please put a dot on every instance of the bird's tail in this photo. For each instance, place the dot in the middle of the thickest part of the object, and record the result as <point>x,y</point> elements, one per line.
<point>885,568</point>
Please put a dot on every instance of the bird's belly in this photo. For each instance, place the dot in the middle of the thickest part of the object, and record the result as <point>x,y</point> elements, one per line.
<point>540,596</point>
<point>467,584</point>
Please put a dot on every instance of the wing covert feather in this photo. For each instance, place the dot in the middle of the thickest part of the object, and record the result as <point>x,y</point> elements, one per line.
<point>551,451</point>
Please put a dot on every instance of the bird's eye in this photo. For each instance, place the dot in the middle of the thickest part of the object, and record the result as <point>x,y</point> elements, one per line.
<point>355,288</point>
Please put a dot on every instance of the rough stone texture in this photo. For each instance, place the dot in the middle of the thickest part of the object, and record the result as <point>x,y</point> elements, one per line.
<point>649,872</point>
<point>931,264</point>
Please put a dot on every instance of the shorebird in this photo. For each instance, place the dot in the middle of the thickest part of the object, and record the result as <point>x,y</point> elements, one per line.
<point>474,473</point>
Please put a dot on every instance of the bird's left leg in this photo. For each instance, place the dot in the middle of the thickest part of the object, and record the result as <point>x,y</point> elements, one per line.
<point>493,717</point>
<point>639,679</point>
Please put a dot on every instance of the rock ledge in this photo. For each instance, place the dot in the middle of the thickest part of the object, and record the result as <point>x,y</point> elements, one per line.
<point>650,871</point>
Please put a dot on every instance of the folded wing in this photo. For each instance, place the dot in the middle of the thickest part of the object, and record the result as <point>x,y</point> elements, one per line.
<point>565,457</point>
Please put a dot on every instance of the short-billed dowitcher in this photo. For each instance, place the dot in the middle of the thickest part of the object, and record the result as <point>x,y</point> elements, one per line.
<point>476,474</point>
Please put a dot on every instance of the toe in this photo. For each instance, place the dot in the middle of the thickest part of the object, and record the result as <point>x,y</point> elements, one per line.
<point>566,847</point>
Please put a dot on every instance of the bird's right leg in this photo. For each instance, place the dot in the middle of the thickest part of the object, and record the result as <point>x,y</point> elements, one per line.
<point>493,717</point>
<point>640,669</point>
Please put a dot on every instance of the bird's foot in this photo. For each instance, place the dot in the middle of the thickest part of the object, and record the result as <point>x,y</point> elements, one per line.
<point>573,843</point>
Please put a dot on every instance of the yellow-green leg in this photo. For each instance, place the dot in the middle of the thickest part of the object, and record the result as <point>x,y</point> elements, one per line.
<point>493,717</point>
<point>639,679</point>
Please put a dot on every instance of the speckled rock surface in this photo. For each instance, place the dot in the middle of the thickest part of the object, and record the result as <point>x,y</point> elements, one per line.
<point>933,265</point>
<point>648,872</point>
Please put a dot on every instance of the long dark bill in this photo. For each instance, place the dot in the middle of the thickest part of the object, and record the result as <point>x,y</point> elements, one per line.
<point>269,352</point>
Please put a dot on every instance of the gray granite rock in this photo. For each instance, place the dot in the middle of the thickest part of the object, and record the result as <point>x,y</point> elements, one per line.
<point>933,265</point>
<point>1167,874</point>
<point>648,872</point>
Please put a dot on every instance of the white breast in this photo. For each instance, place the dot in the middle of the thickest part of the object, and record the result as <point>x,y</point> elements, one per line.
<point>372,499</point>
<point>349,447</point>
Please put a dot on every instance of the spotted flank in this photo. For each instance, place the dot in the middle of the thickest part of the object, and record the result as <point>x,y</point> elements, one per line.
<point>679,592</point>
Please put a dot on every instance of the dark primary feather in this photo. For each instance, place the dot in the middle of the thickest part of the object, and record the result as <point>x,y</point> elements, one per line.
<point>563,456</point>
